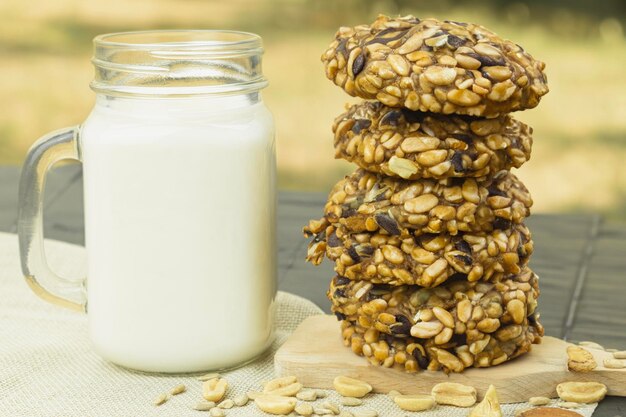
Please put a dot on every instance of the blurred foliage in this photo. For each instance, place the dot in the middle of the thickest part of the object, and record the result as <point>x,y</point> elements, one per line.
<point>580,127</point>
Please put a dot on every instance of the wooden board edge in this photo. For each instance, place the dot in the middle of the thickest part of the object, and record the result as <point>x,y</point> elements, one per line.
<point>511,389</point>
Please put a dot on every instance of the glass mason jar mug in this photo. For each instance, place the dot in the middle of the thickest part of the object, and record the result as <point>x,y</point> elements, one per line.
<point>178,160</point>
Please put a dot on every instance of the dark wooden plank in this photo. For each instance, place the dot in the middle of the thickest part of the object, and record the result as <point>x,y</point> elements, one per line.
<point>602,313</point>
<point>62,202</point>
<point>9,179</point>
<point>63,210</point>
<point>611,407</point>
<point>294,210</point>
<point>559,243</point>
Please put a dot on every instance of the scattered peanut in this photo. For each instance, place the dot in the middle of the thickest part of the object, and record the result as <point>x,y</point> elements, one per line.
<point>178,389</point>
<point>591,345</point>
<point>321,411</point>
<point>350,387</point>
<point>393,393</point>
<point>329,405</point>
<point>304,409</point>
<point>204,406</point>
<point>452,393</point>
<point>214,389</point>
<point>275,404</point>
<point>241,400</point>
<point>226,404</point>
<point>614,364</point>
<point>489,406</point>
<point>538,400</point>
<point>581,392</point>
<point>346,413</point>
<point>620,354</point>
<point>569,404</point>
<point>351,401</point>
<point>307,395</point>
<point>320,393</point>
<point>579,359</point>
<point>252,395</point>
<point>216,412</point>
<point>287,386</point>
<point>414,402</point>
<point>161,399</point>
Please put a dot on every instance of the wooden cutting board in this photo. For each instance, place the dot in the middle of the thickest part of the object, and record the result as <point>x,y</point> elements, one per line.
<point>316,355</point>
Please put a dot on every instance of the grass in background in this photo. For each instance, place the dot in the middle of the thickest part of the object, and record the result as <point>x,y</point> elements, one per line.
<point>580,127</point>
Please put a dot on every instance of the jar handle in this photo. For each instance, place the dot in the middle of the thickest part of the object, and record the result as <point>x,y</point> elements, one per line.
<point>48,150</point>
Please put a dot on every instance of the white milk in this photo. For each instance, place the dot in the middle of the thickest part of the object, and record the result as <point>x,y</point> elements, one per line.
<point>180,230</point>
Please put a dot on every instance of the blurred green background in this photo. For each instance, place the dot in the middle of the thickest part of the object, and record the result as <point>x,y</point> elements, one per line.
<point>579,157</point>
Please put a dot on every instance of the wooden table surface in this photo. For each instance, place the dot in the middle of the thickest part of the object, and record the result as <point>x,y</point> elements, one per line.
<point>580,258</point>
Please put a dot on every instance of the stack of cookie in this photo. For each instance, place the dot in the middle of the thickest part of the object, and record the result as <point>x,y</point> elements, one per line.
<point>427,236</point>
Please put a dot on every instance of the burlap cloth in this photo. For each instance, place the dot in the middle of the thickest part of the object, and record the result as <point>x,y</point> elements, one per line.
<point>48,369</point>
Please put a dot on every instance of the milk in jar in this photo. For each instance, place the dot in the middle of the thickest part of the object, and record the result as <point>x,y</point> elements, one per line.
<point>178,159</point>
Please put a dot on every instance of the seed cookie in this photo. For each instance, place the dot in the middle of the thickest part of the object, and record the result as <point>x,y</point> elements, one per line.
<point>413,145</point>
<point>433,66</point>
<point>363,201</point>
<point>454,326</point>
<point>456,308</point>
<point>426,260</point>
<point>412,354</point>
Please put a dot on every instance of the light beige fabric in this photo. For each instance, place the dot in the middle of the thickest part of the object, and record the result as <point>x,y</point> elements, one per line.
<point>47,367</point>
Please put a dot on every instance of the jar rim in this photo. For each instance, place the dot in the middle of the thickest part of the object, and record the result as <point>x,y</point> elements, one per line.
<point>177,62</point>
<point>180,38</point>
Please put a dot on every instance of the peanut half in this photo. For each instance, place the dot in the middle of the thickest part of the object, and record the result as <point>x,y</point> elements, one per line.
<point>351,401</point>
<point>304,409</point>
<point>287,386</point>
<point>178,389</point>
<point>591,345</point>
<point>241,400</point>
<point>217,412</point>
<point>579,359</point>
<point>320,393</point>
<point>350,387</point>
<point>226,404</point>
<point>581,392</point>
<point>214,389</point>
<point>538,400</point>
<point>414,402</point>
<point>489,406</point>
<point>614,364</point>
<point>620,354</point>
<point>307,395</point>
<point>161,399</point>
<point>329,405</point>
<point>275,404</point>
<point>204,406</point>
<point>452,393</point>
<point>393,393</point>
